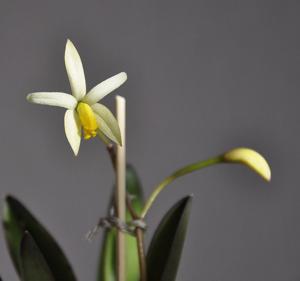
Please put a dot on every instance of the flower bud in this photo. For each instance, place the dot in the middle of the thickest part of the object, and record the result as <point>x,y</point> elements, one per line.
<point>251,159</point>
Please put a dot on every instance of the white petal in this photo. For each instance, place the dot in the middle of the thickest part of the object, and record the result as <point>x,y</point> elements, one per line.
<point>104,88</point>
<point>73,130</point>
<point>107,122</point>
<point>75,71</point>
<point>53,98</point>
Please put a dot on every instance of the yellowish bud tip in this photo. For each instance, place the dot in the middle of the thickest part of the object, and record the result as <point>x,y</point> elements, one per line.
<point>250,158</point>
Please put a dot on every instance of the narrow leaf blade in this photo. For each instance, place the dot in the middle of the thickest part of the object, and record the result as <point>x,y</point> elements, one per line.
<point>16,220</point>
<point>33,264</point>
<point>165,249</point>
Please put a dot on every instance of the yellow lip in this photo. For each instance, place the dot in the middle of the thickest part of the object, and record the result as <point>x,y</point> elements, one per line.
<point>88,120</point>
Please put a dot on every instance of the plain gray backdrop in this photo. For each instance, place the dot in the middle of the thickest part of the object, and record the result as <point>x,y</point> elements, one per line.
<point>203,77</point>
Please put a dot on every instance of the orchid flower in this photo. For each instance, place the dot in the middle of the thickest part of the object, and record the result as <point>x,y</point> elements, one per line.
<point>84,113</point>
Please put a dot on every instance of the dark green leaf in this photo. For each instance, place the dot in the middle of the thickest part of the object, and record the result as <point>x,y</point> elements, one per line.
<point>33,264</point>
<point>16,220</point>
<point>165,250</point>
<point>107,268</point>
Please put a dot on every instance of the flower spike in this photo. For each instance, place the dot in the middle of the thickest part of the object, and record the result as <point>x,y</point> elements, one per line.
<point>242,155</point>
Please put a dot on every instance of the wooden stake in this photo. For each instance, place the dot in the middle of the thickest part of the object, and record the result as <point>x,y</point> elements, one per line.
<point>121,186</point>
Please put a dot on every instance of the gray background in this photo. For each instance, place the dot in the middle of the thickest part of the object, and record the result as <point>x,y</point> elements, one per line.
<point>204,76</point>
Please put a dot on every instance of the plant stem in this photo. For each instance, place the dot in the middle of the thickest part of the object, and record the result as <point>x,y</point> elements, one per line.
<point>141,252</point>
<point>121,187</point>
<point>140,242</point>
<point>139,232</point>
<point>179,173</point>
<point>112,153</point>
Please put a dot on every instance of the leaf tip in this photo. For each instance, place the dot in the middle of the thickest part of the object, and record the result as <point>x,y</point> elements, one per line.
<point>6,208</point>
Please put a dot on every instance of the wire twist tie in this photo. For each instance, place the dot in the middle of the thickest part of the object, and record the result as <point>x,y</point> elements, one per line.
<point>114,222</point>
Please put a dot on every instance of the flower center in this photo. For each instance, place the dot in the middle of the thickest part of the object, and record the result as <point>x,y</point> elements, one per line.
<point>87,119</point>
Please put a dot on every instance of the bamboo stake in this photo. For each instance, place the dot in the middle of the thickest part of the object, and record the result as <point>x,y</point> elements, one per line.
<point>121,186</point>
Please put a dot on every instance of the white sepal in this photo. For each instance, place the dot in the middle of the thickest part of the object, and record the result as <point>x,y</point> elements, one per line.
<point>73,130</point>
<point>53,99</point>
<point>104,88</point>
<point>107,122</point>
<point>75,71</point>
<point>103,137</point>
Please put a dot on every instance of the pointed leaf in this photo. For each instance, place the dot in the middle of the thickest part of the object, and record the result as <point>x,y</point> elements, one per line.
<point>16,220</point>
<point>33,264</point>
<point>165,250</point>
<point>108,257</point>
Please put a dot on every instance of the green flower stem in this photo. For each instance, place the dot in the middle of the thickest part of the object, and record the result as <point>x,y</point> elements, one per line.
<point>112,154</point>
<point>179,173</point>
